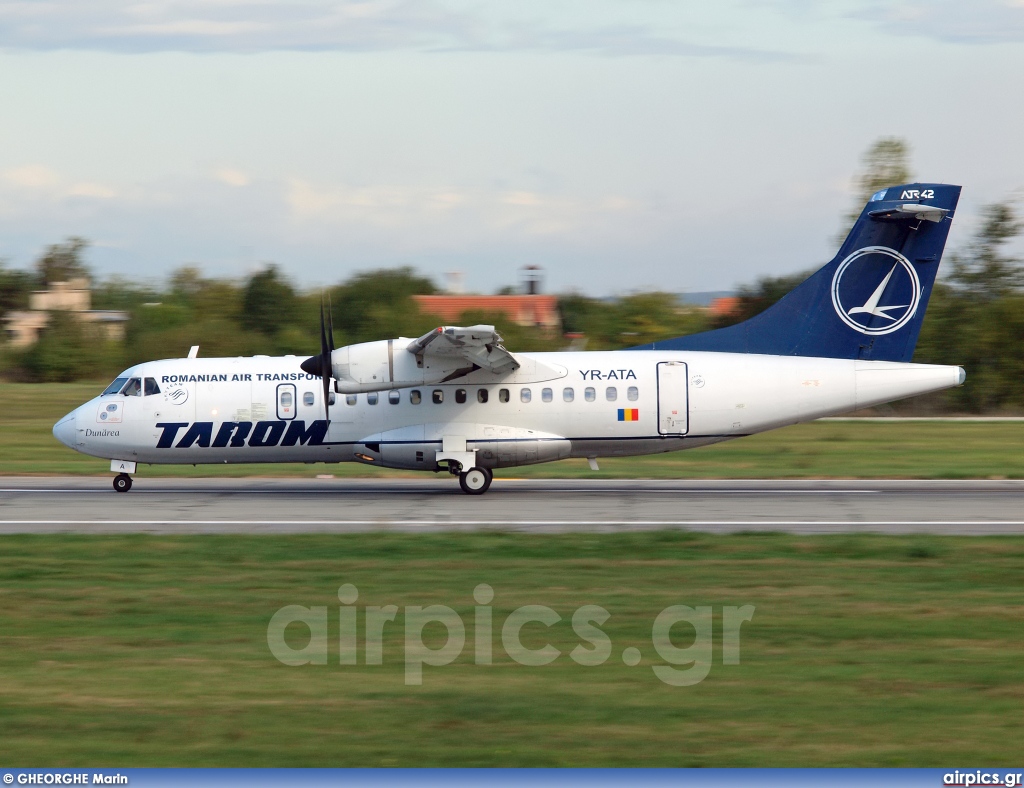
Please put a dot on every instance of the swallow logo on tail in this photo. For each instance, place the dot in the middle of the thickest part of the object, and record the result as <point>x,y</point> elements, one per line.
<point>876,291</point>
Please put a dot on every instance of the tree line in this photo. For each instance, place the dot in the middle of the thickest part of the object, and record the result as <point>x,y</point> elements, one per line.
<point>975,317</point>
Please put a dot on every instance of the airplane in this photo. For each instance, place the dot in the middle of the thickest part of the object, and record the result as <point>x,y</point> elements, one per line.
<point>457,400</point>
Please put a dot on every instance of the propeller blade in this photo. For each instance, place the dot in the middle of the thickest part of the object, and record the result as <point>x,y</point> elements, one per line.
<point>321,364</point>
<point>324,349</point>
<point>325,362</point>
<point>330,322</point>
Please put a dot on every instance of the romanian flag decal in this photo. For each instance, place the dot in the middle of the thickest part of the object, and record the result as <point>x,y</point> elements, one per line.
<point>629,414</point>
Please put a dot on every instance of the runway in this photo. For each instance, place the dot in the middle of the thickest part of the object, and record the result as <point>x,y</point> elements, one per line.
<point>184,506</point>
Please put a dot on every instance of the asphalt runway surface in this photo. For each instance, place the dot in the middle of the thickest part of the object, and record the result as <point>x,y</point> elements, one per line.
<point>254,505</point>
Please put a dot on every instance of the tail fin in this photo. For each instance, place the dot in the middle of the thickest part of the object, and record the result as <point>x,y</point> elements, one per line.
<point>869,302</point>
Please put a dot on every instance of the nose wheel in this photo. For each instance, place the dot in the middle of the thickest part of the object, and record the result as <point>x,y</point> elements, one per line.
<point>475,481</point>
<point>122,482</point>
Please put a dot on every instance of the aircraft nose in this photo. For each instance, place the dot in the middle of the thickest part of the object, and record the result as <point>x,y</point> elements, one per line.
<point>66,430</point>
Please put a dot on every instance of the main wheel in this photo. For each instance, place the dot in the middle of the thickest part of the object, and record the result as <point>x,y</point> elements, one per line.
<point>122,482</point>
<point>475,481</point>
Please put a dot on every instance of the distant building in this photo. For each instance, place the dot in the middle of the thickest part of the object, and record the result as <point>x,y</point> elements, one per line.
<point>702,298</point>
<point>540,311</point>
<point>724,306</point>
<point>455,282</point>
<point>23,328</point>
<point>532,276</point>
<point>526,308</point>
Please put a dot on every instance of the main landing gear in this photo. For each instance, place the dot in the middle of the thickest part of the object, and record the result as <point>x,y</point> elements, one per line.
<point>475,481</point>
<point>122,482</point>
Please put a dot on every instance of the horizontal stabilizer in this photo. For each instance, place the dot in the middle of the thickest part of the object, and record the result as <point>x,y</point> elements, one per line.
<point>930,213</point>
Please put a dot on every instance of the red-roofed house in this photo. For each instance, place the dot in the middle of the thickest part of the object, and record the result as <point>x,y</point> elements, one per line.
<point>523,310</point>
<point>724,306</point>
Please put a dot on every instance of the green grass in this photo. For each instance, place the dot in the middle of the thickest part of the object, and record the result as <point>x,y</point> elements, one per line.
<point>928,450</point>
<point>863,651</point>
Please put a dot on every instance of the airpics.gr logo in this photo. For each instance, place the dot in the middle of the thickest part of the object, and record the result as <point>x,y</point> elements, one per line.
<point>876,290</point>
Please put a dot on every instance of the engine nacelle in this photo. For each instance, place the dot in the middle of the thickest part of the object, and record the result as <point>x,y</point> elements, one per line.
<point>387,364</point>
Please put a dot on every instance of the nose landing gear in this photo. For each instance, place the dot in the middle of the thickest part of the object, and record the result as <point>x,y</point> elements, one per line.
<point>122,482</point>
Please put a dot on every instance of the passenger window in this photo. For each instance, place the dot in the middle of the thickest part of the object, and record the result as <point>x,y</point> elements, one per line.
<point>394,397</point>
<point>151,387</point>
<point>545,395</point>
<point>438,396</point>
<point>307,398</point>
<point>502,395</point>
<point>371,399</point>
<point>568,394</point>
<point>632,394</point>
<point>350,399</point>
<point>481,395</point>
<point>286,399</point>
<point>415,396</point>
<point>114,387</point>
<point>524,395</point>
<point>133,388</point>
<point>589,394</point>
<point>460,396</point>
<point>611,394</point>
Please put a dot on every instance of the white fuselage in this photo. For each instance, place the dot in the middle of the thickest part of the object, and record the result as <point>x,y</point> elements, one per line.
<point>556,405</point>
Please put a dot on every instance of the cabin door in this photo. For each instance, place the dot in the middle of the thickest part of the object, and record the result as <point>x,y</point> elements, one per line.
<point>673,401</point>
<point>286,401</point>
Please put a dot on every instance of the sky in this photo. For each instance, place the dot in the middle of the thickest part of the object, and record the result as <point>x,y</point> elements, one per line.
<point>621,145</point>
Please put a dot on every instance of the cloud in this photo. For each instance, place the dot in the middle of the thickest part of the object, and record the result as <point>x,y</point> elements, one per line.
<point>32,176</point>
<point>322,229</point>
<point>951,21</point>
<point>34,181</point>
<point>97,190</point>
<point>225,25</point>
<point>948,21</point>
<point>625,41</point>
<point>326,25</point>
<point>441,213</point>
<point>231,177</point>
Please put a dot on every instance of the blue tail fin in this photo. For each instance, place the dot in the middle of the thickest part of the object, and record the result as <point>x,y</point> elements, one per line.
<point>869,302</point>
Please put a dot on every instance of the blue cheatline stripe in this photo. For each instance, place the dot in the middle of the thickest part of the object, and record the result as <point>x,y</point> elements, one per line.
<point>544,440</point>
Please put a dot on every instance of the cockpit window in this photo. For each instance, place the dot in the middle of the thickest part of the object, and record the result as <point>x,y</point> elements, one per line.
<point>151,387</point>
<point>133,388</point>
<point>114,387</point>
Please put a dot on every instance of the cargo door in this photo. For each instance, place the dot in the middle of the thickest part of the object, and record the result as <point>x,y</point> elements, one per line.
<point>673,399</point>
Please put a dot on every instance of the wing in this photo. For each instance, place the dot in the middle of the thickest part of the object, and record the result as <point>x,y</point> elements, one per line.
<point>479,346</point>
